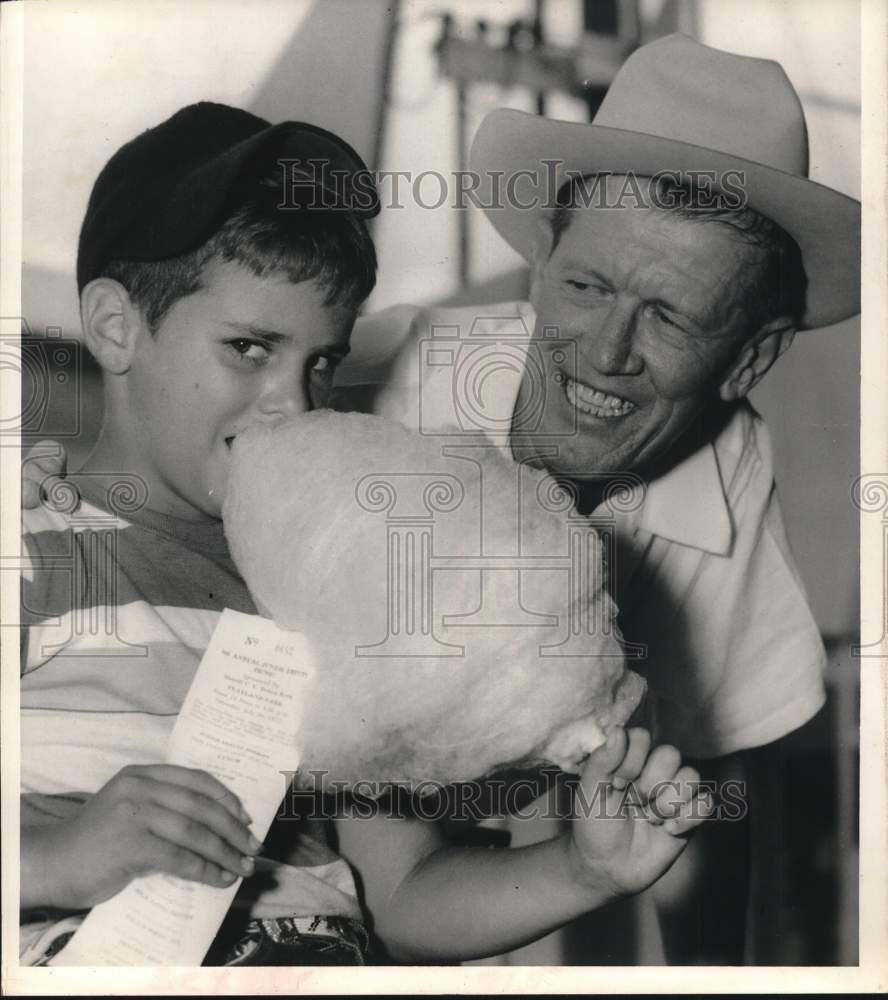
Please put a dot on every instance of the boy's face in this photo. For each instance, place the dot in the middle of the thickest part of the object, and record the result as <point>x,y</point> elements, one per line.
<point>241,349</point>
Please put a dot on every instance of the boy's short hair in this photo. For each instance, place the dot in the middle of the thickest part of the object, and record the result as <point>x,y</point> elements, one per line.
<point>218,183</point>
<point>332,248</point>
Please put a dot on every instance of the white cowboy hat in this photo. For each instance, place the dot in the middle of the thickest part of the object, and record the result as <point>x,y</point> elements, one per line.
<point>677,105</point>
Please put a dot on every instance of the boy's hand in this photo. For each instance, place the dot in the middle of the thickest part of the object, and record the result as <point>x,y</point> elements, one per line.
<point>154,818</point>
<point>635,807</point>
<point>45,465</point>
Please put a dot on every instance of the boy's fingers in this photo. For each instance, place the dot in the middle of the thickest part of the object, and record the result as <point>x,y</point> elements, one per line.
<point>668,799</point>
<point>49,455</point>
<point>184,863</point>
<point>693,812</point>
<point>661,765</point>
<point>636,755</point>
<point>199,808</point>
<point>197,781</point>
<point>193,836</point>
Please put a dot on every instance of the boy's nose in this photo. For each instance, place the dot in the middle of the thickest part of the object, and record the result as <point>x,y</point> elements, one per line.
<point>285,398</point>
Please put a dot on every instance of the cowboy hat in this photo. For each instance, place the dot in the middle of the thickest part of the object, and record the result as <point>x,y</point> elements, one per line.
<point>677,106</point>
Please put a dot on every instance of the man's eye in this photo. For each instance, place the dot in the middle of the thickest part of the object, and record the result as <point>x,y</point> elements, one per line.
<point>667,320</point>
<point>586,287</point>
<point>251,351</point>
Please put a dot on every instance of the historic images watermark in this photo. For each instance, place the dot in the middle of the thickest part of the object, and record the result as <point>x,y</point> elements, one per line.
<point>869,494</point>
<point>82,615</point>
<point>49,366</point>
<point>79,607</point>
<point>314,184</point>
<point>315,795</point>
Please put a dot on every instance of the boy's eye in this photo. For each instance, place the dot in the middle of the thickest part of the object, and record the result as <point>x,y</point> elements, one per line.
<point>252,351</point>
<point>323,365</point>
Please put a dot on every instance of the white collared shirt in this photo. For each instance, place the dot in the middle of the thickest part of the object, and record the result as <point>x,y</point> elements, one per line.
<point>704,580</point>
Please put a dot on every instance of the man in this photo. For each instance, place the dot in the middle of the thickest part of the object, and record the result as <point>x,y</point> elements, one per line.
<point>685,249</point>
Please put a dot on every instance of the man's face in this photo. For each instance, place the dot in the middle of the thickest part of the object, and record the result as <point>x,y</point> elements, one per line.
<point>241,349</point>
<point>654,306</point>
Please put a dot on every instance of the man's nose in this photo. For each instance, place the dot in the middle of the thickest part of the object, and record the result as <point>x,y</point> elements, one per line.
<point>285,396</point>
<point>610,343</point>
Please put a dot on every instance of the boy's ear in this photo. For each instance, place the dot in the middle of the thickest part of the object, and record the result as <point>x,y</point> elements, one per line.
<point>539,254</point>
<point>112,324</point>
<point>757,356</point>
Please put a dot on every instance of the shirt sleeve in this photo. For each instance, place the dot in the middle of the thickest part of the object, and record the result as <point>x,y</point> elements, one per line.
<point>772,681</point>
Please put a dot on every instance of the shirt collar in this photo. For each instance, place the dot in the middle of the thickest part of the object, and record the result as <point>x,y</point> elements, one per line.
<point>687,504</point>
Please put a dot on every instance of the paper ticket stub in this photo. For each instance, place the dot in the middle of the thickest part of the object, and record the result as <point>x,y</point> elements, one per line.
<point>240,722</point>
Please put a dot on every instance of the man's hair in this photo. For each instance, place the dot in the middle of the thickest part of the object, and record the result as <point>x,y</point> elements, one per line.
<point>778,285</point>
<point>329,246</point>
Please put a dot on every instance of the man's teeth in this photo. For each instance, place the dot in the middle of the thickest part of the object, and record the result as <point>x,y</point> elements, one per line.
<point>595,402</point>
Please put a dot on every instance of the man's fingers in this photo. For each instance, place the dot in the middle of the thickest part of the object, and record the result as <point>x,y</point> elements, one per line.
<point>50,455</point>
<point>42,468</point>
<point>196,781</point>
<point>636,755</point>
<point>30,493</point>
<point>46,458</point>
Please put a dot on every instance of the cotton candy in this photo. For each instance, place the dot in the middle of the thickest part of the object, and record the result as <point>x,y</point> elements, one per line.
<point>451,670</point>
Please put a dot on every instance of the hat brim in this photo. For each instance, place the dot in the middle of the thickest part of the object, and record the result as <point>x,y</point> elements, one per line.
<point>824,222</point>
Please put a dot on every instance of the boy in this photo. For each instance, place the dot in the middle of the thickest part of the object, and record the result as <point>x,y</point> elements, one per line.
<point>210,306</point>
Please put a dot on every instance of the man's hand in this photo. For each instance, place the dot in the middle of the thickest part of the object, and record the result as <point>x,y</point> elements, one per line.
<point>634,809</point>
<point>153,818</point>
<point>45,465</point>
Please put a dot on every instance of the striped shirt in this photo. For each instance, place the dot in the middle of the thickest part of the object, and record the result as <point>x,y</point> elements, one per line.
<point>118,606</point>
<point>118,603</point>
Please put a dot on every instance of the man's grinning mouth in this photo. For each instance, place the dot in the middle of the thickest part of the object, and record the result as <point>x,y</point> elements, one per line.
<point>596,403</point>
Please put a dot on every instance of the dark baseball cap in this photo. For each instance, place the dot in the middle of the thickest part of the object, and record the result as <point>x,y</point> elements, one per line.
<point>165,192</point>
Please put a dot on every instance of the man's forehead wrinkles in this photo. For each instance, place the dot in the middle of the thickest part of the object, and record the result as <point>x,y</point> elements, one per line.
<point>689,266</point>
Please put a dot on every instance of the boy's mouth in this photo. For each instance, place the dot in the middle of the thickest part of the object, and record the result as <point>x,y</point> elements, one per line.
<point>229,440</point>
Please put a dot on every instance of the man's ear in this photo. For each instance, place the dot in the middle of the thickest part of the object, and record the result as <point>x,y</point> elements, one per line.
<point>539,254</point>
<point>757,356</point>
<point>111,324</point>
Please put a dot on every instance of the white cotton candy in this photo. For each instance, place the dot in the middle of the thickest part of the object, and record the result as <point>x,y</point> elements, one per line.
<point>324,513</point>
